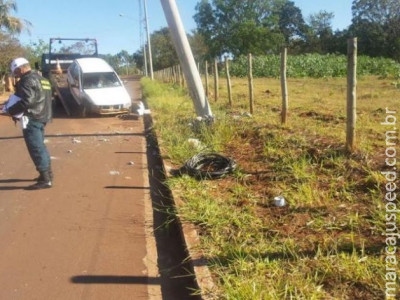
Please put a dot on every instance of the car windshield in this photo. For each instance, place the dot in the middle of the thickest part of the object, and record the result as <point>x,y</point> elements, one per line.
<point>100,80</point>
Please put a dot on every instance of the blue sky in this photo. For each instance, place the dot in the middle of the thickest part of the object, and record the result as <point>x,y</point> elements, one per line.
<point>101,19</point>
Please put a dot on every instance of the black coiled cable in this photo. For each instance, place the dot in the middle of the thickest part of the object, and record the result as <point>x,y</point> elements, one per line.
<point>207,166</point>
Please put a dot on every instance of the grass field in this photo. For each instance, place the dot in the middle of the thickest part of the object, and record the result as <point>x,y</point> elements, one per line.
<point>327,242</point>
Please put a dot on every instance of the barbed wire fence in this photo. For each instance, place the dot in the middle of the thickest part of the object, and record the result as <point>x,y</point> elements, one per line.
<point>174,75</point>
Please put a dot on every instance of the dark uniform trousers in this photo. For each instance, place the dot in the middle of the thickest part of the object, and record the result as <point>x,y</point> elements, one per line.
<point>34,139</point>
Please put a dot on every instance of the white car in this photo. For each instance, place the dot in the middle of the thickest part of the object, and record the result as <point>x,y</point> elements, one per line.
<point>96,87</point>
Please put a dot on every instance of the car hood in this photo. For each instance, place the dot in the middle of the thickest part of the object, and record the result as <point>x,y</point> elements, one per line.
<point>108,96</point>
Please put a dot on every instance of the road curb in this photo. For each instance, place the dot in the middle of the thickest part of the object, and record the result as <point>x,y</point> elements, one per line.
<point>188,231</point>
<point>199,263</point>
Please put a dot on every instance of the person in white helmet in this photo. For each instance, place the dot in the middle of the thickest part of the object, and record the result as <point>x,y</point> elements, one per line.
<point>35,104</point>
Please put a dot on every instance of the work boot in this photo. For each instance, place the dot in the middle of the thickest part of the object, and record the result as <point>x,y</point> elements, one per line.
<point>40,177</point>
<point>44,181</point>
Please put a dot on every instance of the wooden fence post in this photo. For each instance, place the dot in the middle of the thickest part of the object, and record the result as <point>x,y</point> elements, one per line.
<point>216,81</point>
<point>351,93</point>
<point>228,80</point>
<point>182,76</point>
<point>206,75</point>
<point>174,74</point>
<point>285,101</point>
<point>178,74</point>
<point>251,88</point>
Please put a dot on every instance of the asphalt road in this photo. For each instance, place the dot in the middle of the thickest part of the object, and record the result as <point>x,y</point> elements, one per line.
<point>91,236</point>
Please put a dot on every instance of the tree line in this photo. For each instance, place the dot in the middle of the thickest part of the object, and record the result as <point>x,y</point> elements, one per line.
<point>236,28</point>
<point>264,27</point>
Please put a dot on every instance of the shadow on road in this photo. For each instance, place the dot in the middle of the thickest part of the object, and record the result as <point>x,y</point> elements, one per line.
<point>112,279</point>
<point>12,187</point>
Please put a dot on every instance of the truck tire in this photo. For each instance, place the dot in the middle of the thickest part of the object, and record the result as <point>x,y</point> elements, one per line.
<point>83,110</point>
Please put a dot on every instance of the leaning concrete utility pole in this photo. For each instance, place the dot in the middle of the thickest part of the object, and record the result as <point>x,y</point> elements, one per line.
<point>142,43</point>
<point>148,41</point>
<point>186,58</point>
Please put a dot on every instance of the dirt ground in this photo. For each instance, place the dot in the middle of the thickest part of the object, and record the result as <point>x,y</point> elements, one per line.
<point>91,236</point>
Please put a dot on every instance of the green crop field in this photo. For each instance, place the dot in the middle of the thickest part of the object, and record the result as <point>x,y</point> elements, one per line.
<point>315,66</point>
<point>327,242</point>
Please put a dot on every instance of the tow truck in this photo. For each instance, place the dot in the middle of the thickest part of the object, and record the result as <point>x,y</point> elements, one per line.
<point>54,65</point>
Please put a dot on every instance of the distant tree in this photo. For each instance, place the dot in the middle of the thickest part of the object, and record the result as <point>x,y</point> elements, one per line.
<point>164,53</point>
<point>34,51</point>
<point>122,62</point>
<point>248,37</point>
<point>375,11</point>
<point>321,23</point>
<point>199,47</point>
<point>9,23</point>
<point>237,27</point>
<point>320,37</point>
<point>112,60</point>
<point>9,49</point>
<point>138,58</point>
<point>206,23</point>
<point>163,50</point>
<point>338,42</point>
<point>376,23</point>
<point>126,62</point>
<point>291,22</point>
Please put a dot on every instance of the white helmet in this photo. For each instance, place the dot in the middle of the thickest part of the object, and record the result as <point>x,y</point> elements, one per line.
<point>18,62</point>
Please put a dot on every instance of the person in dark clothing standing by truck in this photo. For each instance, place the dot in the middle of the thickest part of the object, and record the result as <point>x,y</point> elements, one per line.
<point>35,104</point>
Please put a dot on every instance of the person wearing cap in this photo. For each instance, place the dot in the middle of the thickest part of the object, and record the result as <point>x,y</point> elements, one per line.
<point>35,103</point>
